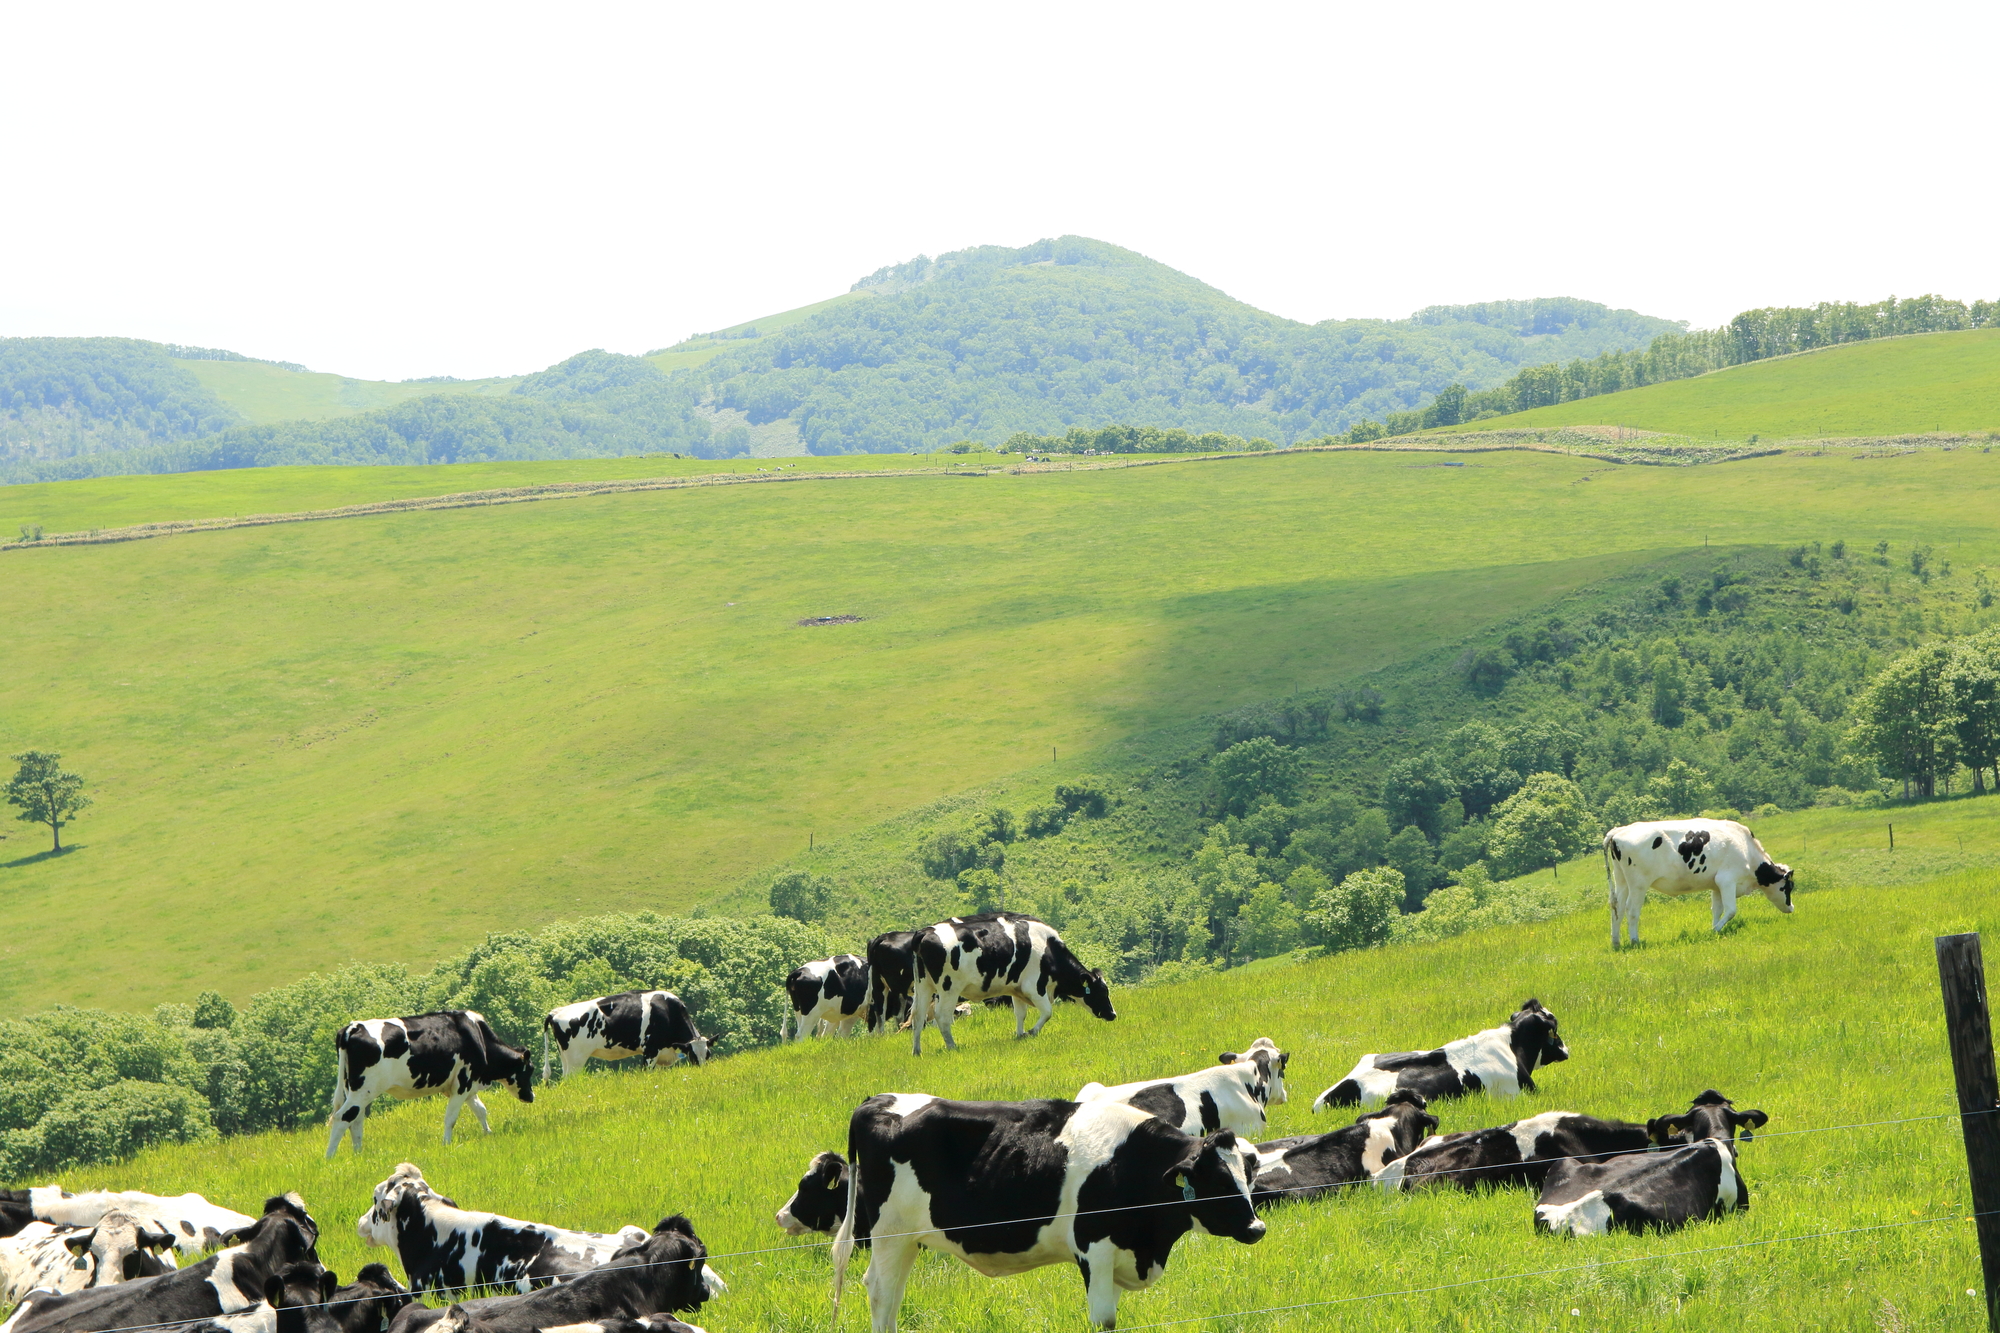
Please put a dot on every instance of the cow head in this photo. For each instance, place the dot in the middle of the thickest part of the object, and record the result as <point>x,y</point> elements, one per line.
<point>676,1263</point>
<point>697,1050</point>
<point>372,1301</point>
<point>280,1210</point>
<point>820,1201</point>
<point>406,1186</point>
<point>1712,1116</point>
<point>1535,1038</point>
<point>1410,1123</point>
<point>121,1248</point>
<point>1269,1085</point>
<point>1214,1181</point>
<point>1776,881</point>
<point>1097,995</point>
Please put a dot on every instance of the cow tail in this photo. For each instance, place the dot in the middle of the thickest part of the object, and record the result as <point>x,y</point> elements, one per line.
<point>339,1069</point>
<point>1610,885</point>
<point>545,1049</point>
<point>843,1239</point>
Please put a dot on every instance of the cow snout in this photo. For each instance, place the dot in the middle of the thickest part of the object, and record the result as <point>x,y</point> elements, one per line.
<point>1254,1232</point>
<point>1556,1053</point>
<point>790,1225</point>
<point>712,1282</point>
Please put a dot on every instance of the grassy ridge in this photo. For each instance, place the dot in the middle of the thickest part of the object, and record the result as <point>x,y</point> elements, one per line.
<point>497,718</point>
<point>264,393</point>
<point>1828,1017</point>
<point>1933,381</point>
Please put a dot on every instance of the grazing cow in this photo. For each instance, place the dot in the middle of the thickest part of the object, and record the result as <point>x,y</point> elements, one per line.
<point>1314,1164</point>
<point>444,1247</point>
<point>1517,1153</point>
<point>820,1201</point>
<point>230,1283</point>
<point>892,972</point>
<point>1010,1186</point>
<point>452,1052</point>
<point>196,1223</point>
<point>830,995</point>
<point>1718,857</point>
<point>1499,1060</point>
<point>667,1273</point>
<point>62,1259</point>
<point>1694,1177</point>
<point>993,955</point>
<point>1230,1095</point>
<point>645,1023</point>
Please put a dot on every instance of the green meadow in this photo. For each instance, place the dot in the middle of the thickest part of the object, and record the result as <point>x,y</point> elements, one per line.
<point>1927,382</point>
<point>306,737</point>
<point>1828,1019</point>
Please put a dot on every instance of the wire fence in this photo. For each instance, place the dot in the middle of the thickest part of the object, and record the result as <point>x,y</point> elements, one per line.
<point>492,1288</point>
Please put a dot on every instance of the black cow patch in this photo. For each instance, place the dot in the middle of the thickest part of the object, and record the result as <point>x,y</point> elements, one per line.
<point>1162,1101</point>
<point>1692,847</point>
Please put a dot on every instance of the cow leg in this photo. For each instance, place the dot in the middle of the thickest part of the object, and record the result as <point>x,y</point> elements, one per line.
<point>1020,1015</point>
<point>346,1119</point>
<point>919,1015</point>
<point>451,1110</point>
<point>944,1016</point>
<point>1047,1007</point>
<point>1723,899</point>
<point>479,1109</point>
<point>1099,1265</point>
<point>888,1274</point>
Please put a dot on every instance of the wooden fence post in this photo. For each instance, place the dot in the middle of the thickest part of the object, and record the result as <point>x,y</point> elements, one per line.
<point>1969,1028</point>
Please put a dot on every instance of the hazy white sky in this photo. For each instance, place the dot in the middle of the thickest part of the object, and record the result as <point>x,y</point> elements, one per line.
<point>404,190</point>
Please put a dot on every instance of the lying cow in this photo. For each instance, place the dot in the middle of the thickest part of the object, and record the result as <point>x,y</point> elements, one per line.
<point>1314,1164</point>
<point>366,1305</point>
<point>305,1298</point>
<point>1695,1178</point>
<point>1500,1060</point>
<point>892,973</point>
<point>459,1320</point>
<point>453,1052</point>
<point>1010,1186</point>
<point>444,1247</point>
<point>1517,1153</point>
<point>1230,1095</point>
<point>667,1273</point>
<point>196,1223</point>
<point>1000,954</point>
<point>230,1283</point>
<point>645,1023</point>
<point>1718,857</point>
<point>62,1259</point>
<point>820,1201</point>
<point>828,995</point>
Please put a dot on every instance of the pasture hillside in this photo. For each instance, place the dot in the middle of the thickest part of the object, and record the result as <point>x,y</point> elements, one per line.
<point>1828,1020</point>
<point>1921,383</point>
<point>262,392</point>
<point>491,719</point>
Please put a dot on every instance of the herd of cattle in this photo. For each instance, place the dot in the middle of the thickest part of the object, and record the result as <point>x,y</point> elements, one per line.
<point>1109,1179</point>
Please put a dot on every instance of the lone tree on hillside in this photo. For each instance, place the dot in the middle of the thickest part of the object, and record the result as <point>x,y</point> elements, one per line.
<point>45,793</point>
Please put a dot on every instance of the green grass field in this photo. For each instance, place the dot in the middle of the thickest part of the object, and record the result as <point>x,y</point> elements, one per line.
<point>1824,1019</point>
<point>490,719</point>
<point>265,393</point>
<point>1929,382</point>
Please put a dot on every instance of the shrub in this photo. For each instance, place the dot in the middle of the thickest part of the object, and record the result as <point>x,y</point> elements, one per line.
<point>1266,925</point>
<point>1085,796</point>
<point>801,896</point>
<point>1044,821</point>
<point>1254,768</point>
<point>1545,822</point>
<point>100,1124</point>
<point>1357,912</point>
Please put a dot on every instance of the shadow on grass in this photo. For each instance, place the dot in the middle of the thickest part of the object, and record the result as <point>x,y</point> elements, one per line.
<point>40,856</point>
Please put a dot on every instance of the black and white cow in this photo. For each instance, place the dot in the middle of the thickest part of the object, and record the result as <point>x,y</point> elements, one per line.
<point>459,1320</point>
<point>1517,1153</point>
<point>829,995</point>
<point>1695,1177</point>
<point>229,1283</point>
<point>820,1201</point>
<point>366,1305</point>
<point>295,1300</point>
<point>667,1273</point>
<point>453,1052</point>
<point>1010,1186</point>
<point>892,973</point>
<point>62,1259</point>
<point>1500,1060</point>
<point>1230,1095</point>
<point>645,1023</point>
<point>1718,857</point>
<point>196,1223</point>
<point>1314,1164</point>
<point>444,1247</point>
<point>1000,954</point>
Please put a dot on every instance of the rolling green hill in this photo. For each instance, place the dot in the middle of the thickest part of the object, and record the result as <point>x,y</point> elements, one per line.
<point>1925,382</point>
<point>1828,1020</point>
<point>262,393</point>
<point>496,718</point>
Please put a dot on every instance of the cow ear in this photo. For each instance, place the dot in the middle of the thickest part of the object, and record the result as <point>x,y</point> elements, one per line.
<point>274,1291</point>
<point>1661,1128</point>
<point>1748,1120</point>
<point>157,1241</point>
<point>79,1244</point>
<point>329,1282</point>
<point>1227,1058</point>
<point>1430,1123</point>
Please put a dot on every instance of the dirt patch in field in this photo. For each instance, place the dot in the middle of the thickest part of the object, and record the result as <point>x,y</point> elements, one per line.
<point>810,621</point>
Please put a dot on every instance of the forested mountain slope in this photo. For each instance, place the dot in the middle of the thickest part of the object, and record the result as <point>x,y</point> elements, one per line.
<point>977,344</point>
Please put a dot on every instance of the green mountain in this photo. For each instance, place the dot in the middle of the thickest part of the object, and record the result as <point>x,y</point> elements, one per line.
<point>977,344</point>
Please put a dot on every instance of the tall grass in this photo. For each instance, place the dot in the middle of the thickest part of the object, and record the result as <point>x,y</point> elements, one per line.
<point>1826,1018</point>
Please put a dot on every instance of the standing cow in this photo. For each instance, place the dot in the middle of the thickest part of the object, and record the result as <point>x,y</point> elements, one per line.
<point>1718,857</point>
<point>453,1052</point>
<point>998,955</point>
<point>830,994</point>
<point>892,972</point>
<point>645,1023</point>
<point>1010,1186</point>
